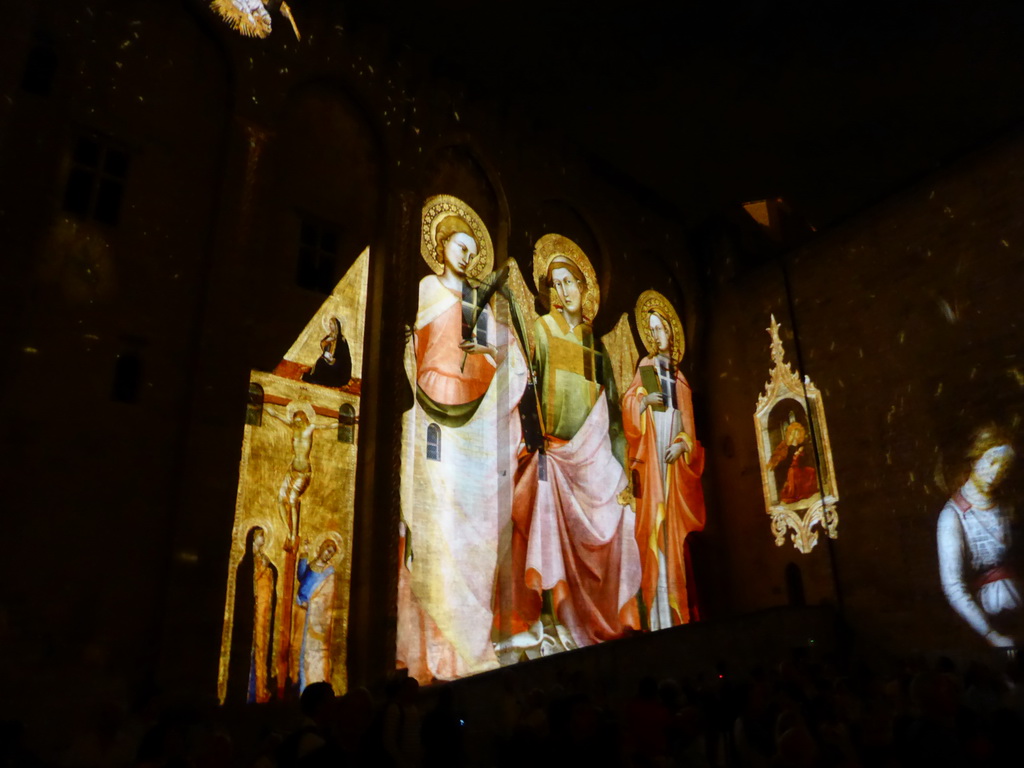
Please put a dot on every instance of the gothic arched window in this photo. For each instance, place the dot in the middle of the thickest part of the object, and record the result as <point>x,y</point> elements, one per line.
<point>254,405</point>
<point>795,586</point>
<point>434,442</point>
<point>346,423</point>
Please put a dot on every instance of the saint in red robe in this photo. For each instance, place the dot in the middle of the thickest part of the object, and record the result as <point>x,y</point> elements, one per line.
<point>669,497</point>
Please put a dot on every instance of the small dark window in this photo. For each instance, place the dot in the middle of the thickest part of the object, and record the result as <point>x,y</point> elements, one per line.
<point>434,442</point>
<point>318,256</point>
<point>78,193</point>
<point>108,201</point>
<point>795,586</point>
<point>638,488</point>
<point>542,466</point>
<point>116,163</point>
<point>728,447</point>
<point>127,377</point>
<point>254,405</point>
<point>40,69</point>
<point>95,186</point>
<point>87,152</point>
<point>346,424</point>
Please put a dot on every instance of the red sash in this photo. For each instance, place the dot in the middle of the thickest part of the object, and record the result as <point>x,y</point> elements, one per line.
<point>998,573</point>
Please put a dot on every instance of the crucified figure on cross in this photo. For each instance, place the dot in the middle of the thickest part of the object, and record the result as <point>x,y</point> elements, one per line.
<point>299,418</point>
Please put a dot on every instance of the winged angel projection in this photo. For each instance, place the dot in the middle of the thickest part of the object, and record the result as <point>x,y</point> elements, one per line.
<point>252,17</point>
<point>519,534</point>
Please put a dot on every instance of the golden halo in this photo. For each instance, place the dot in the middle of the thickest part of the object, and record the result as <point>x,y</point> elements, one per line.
<point>440,207</point>
<point>330,536</point>
<point>653,301</point>
<point>326,323</point>
<point>552,246</point>
<point>271,540</point>
<point>297,406</point>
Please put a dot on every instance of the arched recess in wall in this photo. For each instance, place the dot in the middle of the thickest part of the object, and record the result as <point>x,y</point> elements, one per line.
<point>321,204</point>
<point>449,462</point>
<point>652,261</point>
<point>146,88</point>
<point>562,218</point>
<point>457,169</point>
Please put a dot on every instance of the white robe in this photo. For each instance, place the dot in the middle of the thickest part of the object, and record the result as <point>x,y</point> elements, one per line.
<point>974,541</point>
<point>455,509</point>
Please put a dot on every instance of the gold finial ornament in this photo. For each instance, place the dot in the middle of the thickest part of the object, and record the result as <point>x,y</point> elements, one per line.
<point>553,248</point>
<point>778,353</point>
<point>438,208</point>
<point>653,302</point>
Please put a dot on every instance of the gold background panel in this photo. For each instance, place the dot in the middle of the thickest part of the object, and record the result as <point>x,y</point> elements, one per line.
<point>326,506</point>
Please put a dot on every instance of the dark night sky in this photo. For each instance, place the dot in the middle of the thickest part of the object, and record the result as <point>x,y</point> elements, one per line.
<point>830,105</point>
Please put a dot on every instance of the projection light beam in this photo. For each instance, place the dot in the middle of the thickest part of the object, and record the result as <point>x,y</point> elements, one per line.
<point>251,17</point>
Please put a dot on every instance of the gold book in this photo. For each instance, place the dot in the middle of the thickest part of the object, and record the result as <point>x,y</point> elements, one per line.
<point>651,382</point>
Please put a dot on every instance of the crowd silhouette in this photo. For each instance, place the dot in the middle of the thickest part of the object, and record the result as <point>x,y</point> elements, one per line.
<point>800,712</point>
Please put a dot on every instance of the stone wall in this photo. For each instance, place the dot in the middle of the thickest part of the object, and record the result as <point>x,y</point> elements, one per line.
<point>906,319</point>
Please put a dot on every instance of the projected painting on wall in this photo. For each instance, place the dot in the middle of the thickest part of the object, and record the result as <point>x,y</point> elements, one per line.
<point>797,476</point>
<point>521,532</point>
<point>286,616</point>
<point>974,543</point>
<point>666,461</point>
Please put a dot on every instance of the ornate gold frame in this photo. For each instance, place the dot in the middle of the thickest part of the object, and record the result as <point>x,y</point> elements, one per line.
<point>819,509</point>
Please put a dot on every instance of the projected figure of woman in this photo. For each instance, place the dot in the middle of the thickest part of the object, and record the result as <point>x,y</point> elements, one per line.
<point>459,445</point>
<point>973,539</point>
<point>795,454</point>
<point>314,616</point>
<point>574,552</point>
<point>657,413</point>
<point>296,480</point>
<point>334,366</point>
<point>263,579</point>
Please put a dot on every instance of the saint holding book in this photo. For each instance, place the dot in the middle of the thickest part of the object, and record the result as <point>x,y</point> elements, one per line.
<point>666,462</point>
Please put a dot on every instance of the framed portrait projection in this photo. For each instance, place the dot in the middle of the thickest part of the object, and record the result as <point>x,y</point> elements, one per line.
<point>523,532</point>
<point>797,474</point>
<point>286,614</point>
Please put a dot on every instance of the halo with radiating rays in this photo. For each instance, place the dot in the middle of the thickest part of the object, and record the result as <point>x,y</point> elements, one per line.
<point>652,301</point>
<point>552,247</point>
